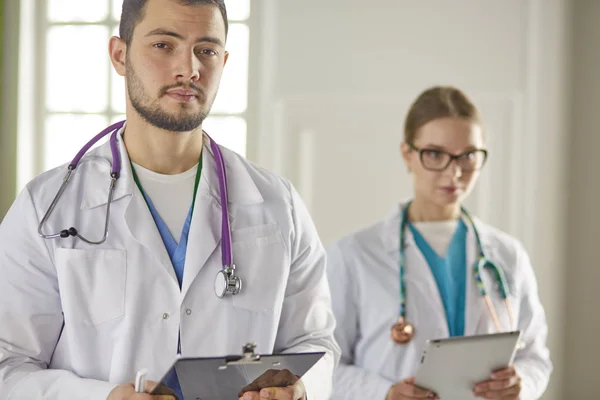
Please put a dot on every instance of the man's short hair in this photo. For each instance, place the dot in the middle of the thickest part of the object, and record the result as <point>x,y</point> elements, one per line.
<point>133,12</point>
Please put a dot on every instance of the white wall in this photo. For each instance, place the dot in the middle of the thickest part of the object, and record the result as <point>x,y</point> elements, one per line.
<point>341,74</point>
<point>583,267</point>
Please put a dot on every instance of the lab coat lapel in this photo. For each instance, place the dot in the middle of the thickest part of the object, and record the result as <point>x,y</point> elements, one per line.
<point>417,273</point>
<point>421,276</point>
<point>97,166</point>
<point>204,236</point>
<point>474,303</point>
<point>205,230</point>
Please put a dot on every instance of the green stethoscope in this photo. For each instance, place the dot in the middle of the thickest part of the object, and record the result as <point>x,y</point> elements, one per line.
<point>403,331</point>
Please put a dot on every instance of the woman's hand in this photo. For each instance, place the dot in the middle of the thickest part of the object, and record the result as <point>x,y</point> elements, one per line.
<point>505,384</point>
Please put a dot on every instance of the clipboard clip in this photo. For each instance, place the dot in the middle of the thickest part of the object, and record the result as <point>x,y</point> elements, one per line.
<point>248,357</point>
<point>248,352</point>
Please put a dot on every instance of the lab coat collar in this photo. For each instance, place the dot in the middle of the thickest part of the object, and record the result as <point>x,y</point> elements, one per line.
<point>241,188</point>
<point>97,183</point>
<point>391,236</point>
<point>240,185</point>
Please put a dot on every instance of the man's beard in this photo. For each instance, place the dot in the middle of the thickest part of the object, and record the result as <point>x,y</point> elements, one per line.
<point>156,116</point>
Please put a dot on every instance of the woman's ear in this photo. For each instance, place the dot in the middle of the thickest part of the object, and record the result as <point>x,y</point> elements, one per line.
<point>406,153</point>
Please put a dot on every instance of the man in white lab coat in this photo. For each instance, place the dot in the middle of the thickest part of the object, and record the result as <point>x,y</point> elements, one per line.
<point>77,320</point>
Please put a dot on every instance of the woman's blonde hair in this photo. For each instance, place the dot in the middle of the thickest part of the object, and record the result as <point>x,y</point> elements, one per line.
<point>438,102</point>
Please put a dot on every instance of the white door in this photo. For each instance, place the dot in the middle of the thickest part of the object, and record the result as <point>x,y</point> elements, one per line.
<point>336,80</point>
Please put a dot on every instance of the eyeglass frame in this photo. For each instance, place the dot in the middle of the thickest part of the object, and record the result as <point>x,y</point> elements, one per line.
<point>452,158</point>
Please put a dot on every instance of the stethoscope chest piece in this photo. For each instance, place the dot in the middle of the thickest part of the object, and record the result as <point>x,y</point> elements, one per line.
<point>402,332</point>
<point>226,282</point>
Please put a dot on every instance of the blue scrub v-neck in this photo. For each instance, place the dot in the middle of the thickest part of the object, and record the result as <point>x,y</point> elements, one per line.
<point>449,274</point>
<point>177,251</point>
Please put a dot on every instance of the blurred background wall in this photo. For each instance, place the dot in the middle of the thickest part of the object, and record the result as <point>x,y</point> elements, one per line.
<point>582,232</point>
<point>318,91</point>
<point>9,23</point>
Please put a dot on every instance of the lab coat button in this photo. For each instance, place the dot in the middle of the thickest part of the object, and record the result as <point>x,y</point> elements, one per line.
<point>188,311</point>
<point>165,316</point>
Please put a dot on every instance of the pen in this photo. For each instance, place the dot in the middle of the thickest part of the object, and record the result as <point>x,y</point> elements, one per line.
<point>140,381</point>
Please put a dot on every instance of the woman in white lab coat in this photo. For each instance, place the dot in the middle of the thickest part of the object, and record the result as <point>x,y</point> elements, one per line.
<point>386,309</point>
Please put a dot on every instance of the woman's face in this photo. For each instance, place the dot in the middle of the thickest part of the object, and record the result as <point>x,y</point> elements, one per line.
<point>438,179</point>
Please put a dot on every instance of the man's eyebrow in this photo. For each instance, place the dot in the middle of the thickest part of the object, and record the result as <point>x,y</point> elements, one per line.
<point>166,32</point>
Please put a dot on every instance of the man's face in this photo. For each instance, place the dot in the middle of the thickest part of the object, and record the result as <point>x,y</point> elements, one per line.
<point>174,64</point>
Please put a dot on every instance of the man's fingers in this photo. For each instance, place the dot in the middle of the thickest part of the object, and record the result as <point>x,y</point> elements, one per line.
<point>250,396</point>
<point>271,379</point>
<point>277,393</point>
<point>164,392</point>
<point>150,385</point>
<point>260,382</point>
<point>284,378</point>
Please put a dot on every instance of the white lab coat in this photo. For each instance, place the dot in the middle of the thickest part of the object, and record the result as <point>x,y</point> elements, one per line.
<point>121,302</point>
<point>363,274</point>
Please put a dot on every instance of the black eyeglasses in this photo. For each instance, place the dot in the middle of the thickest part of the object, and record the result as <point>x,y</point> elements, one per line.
<point>439,160</point>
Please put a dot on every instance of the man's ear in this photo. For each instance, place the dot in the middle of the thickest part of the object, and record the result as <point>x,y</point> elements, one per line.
<point>117,50</point>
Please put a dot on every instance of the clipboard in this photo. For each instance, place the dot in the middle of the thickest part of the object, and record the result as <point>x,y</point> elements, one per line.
<point>217,378</point>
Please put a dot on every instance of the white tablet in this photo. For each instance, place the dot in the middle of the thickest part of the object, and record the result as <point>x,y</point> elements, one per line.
<point>451,367</point>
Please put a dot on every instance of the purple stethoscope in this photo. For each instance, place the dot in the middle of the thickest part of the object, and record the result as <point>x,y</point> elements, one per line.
<point>226,282</point>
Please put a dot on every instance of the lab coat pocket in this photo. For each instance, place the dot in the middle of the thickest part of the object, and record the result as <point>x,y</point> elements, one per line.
<point>259,256</point>
<point>91,284</point>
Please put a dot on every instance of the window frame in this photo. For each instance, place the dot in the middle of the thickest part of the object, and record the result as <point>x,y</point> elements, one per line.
<point>37,150</point>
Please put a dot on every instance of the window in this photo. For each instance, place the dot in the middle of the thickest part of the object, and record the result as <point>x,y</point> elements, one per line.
<point>83,94</point>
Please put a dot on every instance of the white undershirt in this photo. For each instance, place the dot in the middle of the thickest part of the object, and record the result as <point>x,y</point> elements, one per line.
<point>438,234</point>
<point>171,195</point>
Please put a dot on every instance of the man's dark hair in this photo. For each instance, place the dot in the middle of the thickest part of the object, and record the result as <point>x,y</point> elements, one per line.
<point>133,12</point>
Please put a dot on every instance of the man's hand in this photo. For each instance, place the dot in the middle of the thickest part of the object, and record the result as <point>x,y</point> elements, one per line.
<point>274,385</point>
<point>126,391</point>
